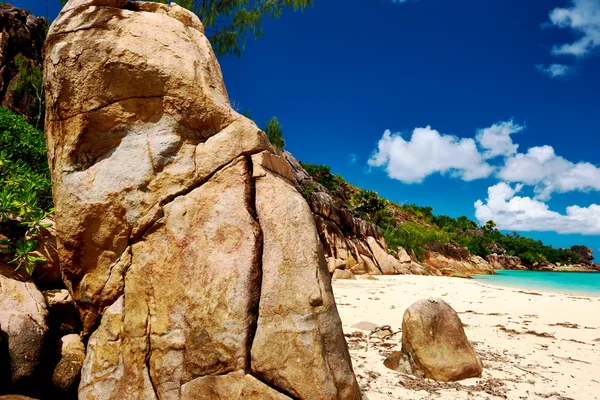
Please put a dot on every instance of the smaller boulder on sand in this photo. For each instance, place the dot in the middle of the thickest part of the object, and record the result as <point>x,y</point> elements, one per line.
<point>434,344</point>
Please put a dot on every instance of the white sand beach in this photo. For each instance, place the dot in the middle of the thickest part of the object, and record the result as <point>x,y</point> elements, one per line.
<point>533,344</point>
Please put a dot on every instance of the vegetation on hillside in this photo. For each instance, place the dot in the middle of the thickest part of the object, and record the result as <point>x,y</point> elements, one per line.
<point>228,23</point>
<point>416,228</point>
<point>274,132</point>
<point>25,189</point>
<point>28,93</point>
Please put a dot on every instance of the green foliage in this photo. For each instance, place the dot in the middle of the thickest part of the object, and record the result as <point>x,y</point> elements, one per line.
<point>416,237</point>
<point>323,175</point>
<point>25,188</point>
<point>367,202</point>
<point>476,244</point>
<point>274,132</point>
<point>489,226</point>
<point>423,214</point>
<point>307,190</point>
<point>450,224</point>
<point>228,23</point>
<point>417,228</point>
<point>29,90</point>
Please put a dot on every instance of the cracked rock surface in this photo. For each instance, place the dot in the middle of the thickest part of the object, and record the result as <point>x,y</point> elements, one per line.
<point>194,262</point>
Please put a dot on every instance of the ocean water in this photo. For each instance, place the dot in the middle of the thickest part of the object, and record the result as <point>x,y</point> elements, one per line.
<point>564,282</point>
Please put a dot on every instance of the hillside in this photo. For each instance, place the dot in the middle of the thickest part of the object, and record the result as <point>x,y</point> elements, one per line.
<point>436,242</point>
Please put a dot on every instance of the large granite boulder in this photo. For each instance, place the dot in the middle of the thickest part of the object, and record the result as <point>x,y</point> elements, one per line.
<point>23,325</point>
<point>193,260</point>
<point>434,344</point>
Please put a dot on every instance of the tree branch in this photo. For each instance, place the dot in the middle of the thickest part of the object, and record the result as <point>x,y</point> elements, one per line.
<point>232,26</point>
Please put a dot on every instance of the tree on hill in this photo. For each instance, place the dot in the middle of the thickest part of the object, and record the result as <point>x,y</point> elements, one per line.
<point>274,132</point>
<point>228,23</point>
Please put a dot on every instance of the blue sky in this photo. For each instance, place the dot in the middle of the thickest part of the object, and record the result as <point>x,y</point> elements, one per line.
<point>425,101</point>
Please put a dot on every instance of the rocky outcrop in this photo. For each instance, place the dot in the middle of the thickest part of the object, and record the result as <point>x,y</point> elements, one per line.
<point>586,254</point>
<point>545,266</point>
<point>344,235</point>
<point>342,274</point>
<point>353,244</point>
<point>194,262</point>
<point>503,261</point>
<point>455,261</point>
<point>434,344</point>
<point>23,325</point>
<point>20,34</point>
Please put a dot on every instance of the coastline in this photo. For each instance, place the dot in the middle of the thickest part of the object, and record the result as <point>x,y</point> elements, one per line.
<point>533,286</point>
<point>534,344</point>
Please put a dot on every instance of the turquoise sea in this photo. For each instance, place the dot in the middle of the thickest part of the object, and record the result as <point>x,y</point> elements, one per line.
<point>569,282</point>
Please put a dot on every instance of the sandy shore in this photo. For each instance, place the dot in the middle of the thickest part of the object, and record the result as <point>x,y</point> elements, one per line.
<point>534,345</point>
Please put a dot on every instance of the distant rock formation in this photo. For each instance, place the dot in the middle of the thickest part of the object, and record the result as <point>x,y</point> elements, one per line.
<point>21,34</point>
<point>586,254</point>
<point>504,261</point>
<point>193,260</point>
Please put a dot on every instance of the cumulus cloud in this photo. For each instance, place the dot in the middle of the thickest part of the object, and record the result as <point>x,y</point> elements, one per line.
<point>518,213</point>
<point>583,18</point>
<point>556,70</point>
<point>496,140</point>
<point>548,173</point>
<point>428,152</point>
<point>491,152</point>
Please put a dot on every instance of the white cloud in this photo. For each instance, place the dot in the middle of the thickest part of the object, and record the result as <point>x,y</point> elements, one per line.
<point>517,213</point>
<point>496,139</point>
<point>548,173</point>
<point>556,70</point>
<point>583,17</point>
<point>428,152</point>
<point>492,151</point>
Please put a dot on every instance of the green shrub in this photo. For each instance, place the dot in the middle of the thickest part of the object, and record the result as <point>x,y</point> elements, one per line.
<point>477,244</point>
<point>367,202</point>
<point>25,188</point>
<point>424,214</point>
<point>416,237</point>
<point>29,90</point>
<point>323,175</point>
<point>274,132</point>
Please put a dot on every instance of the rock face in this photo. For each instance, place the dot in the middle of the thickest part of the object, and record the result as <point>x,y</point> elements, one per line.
<point>544,266</point>
<point>586,254</point>
<point>47,274</point>
<point>180,232</point>
<point>63,317</point>
<point>344,235</point>
<point>503,261</point>
<point>23,326</point>
<point>20,34</point>
<point>434,344</point>
<point>67,371</point>
<point>453,261</point>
